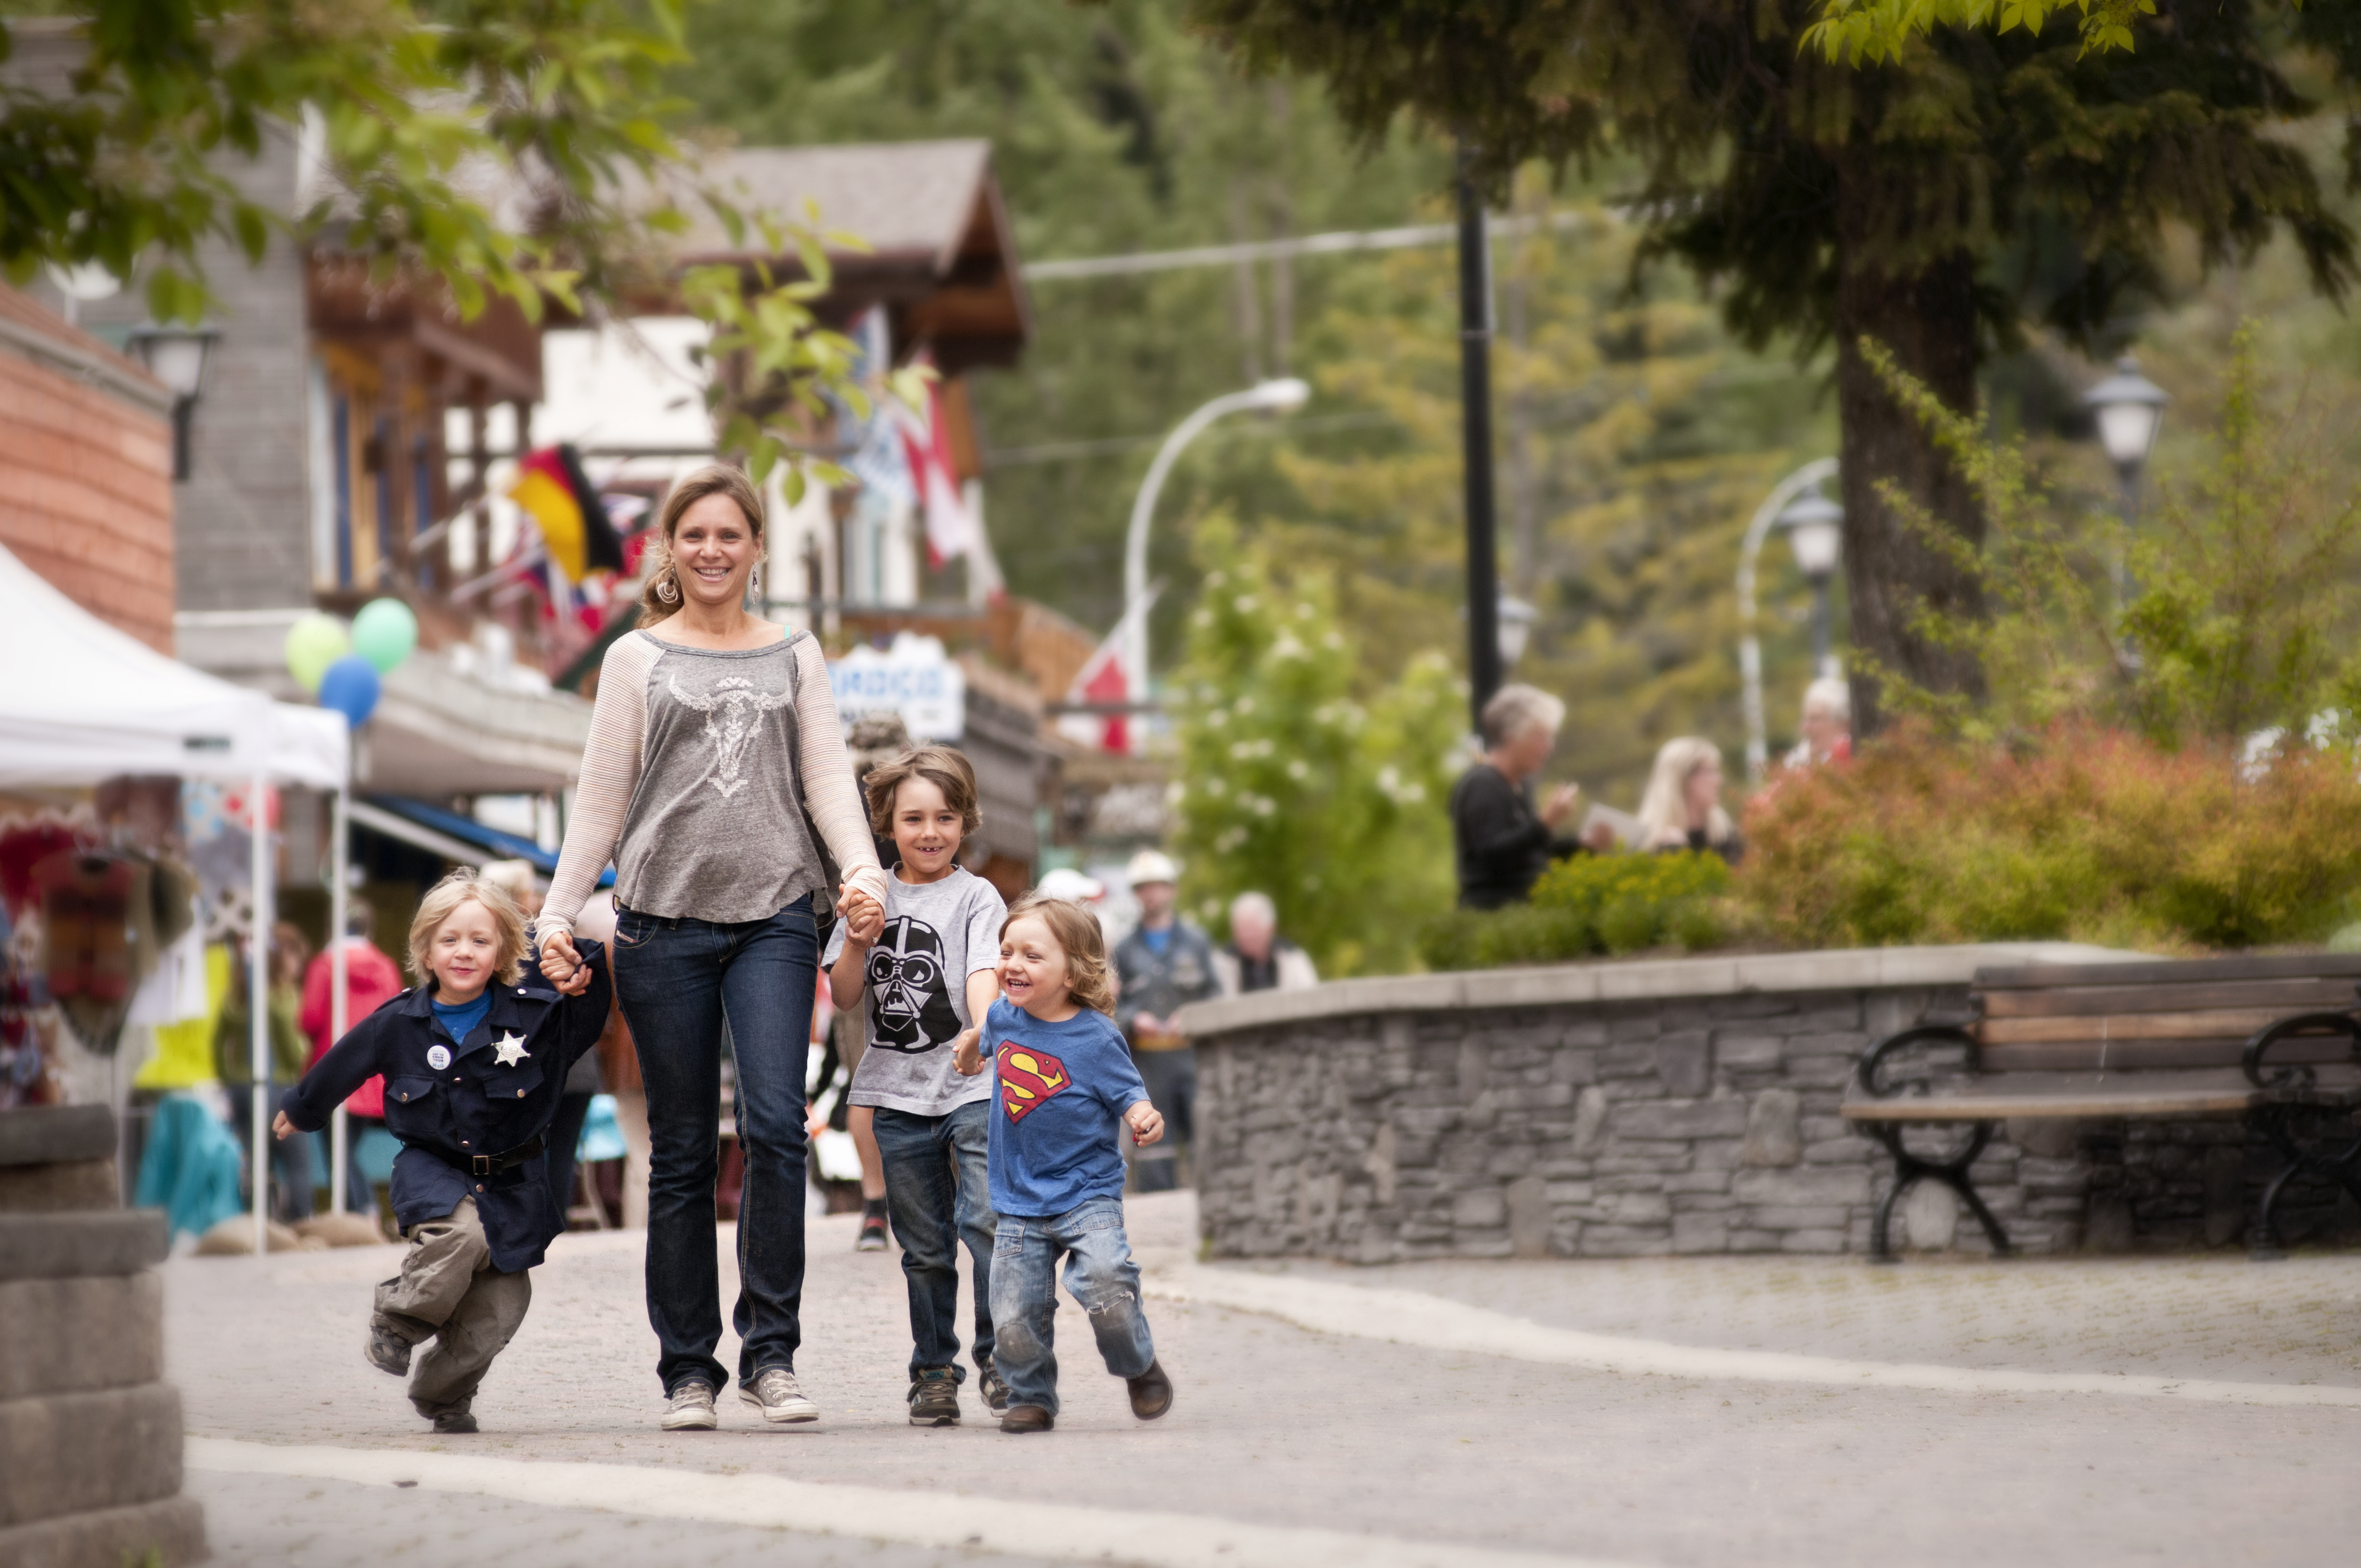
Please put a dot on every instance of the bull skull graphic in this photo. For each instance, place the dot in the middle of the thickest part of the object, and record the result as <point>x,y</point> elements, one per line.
<point>731,710</point>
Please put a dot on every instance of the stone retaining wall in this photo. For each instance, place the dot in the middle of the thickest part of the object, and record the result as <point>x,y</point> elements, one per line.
<point>1603,1109</point>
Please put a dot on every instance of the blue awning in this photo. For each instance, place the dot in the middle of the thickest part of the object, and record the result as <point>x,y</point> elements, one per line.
<point>441,832</point>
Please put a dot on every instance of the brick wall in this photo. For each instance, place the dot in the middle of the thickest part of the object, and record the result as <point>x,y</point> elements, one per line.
<point>85,477</point>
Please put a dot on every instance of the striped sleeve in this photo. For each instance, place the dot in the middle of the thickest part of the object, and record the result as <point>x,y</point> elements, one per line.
<point>827,782</point>
<point>610,771</point>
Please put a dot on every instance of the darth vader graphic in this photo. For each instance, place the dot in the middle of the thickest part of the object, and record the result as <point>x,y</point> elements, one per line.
<point>910,999</point>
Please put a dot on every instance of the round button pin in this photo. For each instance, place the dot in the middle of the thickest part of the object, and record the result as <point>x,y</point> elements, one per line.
<point>438,1056</point>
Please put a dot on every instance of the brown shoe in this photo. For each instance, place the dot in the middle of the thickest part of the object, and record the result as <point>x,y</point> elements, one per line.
<point>1151,1392</point>
<point>1026,1418</point>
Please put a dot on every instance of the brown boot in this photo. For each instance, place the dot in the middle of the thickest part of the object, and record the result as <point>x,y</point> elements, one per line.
<point>1151,1392</point>
<point>1026,1418</point>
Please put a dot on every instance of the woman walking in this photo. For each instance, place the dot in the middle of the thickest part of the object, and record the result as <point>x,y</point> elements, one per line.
<point>716,780</point>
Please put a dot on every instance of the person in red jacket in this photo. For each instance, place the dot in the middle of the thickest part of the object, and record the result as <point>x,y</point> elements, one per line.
<point>371,980</point>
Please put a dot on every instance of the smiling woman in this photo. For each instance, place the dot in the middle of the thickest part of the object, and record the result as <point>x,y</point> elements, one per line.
<point>716,779</point>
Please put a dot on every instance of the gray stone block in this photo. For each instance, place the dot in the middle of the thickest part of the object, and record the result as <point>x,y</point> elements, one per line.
<point>1852,1150</point>
<point>81,1184</point>
<point>63,1246</point>
<point>170,1531</point>
<point>1697,1181</point>
<point>1529,1217</point>
<point>1803,1185</point>
<point>75,1335</point>
<point>1773,1129</point>
<point>69,1453</point>
<point>1589,1120</point>
<point>1795,1217</point>
<point>1626,1240</point>
<point>1485,1208</point>
<point>46,1135</point>
<point>1819,1241</point>
<point>1685,1063</point>
<point>1670,1119</point>
<point>2109,1226</point>
<point>1748,1053</point>
<point>1700,1233</point>
<point>1636,1209</point>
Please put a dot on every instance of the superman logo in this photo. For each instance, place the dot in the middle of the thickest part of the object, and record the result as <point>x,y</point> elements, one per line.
<point>1028,1078</point>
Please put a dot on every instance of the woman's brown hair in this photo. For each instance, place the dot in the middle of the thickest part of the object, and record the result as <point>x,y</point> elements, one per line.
<point>1089,980</point>
<point>941,766</point>
<point>661,597</point>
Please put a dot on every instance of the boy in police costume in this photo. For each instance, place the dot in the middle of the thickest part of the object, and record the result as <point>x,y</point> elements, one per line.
<point>474,1059</point>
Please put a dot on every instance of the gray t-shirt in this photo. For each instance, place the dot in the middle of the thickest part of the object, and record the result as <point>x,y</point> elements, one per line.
<point>936,934</point>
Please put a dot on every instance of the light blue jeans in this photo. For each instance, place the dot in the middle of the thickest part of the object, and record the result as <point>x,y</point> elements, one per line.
<point>1100,1274</point>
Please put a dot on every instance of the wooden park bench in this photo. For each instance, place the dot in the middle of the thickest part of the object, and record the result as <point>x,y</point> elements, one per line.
<point>2272,1042</point>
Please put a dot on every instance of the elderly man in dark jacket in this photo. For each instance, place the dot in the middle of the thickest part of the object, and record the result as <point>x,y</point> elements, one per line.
<point>1504,843</point>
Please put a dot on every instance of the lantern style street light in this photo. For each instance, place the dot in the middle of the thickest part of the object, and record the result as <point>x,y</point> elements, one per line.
<point>2129,408</point>
<point>1515,619</point>
<point>1810,476</point>
<point>1814,528</point>
<point>176,356</point>
<point>1282,396</point>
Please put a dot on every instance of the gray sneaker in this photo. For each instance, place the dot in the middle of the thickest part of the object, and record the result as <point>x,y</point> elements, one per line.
<point>779,1396</point>
<point>691,1408</point>
<point>994,1391</point>
<point>934,1397</point>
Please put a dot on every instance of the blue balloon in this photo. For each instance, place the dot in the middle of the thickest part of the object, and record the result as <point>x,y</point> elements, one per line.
<point>350,686</point>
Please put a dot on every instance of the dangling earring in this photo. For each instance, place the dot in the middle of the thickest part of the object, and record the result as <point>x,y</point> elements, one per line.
<point>667,588</point>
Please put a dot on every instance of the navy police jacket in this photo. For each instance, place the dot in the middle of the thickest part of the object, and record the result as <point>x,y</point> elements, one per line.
<point>497,1092</point>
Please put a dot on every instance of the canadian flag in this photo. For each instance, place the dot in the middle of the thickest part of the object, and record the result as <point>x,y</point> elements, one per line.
<point>951,531</point>
<point>1103,680</point>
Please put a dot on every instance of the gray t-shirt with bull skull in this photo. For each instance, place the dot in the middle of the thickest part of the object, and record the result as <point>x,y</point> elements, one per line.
<point>936,934</point>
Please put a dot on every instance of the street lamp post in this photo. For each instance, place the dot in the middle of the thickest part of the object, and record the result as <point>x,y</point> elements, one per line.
<point>2129,408</point>
<point>1269,396</point>
<point>176,356</point>
<point>1750,648</point>
<point>1476,442</point>
<point>1815,530</point>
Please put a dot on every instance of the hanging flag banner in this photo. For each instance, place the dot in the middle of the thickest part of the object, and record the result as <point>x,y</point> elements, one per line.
<point>557,495</point>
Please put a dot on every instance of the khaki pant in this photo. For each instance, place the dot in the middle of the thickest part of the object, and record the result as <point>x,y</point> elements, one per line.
<point>448,1291</point>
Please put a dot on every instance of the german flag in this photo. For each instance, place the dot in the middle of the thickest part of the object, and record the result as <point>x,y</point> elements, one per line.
<point>554,490</point>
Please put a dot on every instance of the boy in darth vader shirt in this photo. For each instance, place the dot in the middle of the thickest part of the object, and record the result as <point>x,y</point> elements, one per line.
<point>474,1058</point>
<point>923,964</point>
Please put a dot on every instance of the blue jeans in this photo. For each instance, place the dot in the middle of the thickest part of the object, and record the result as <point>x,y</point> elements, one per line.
<point>937,1193</point>
<point>1100,1274</point>
<point>675,978</point>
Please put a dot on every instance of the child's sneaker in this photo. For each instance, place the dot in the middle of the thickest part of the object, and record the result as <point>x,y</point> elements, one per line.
<point>387,1351</point>
<point>989,1383</point>
<point>934,1397</point>
<point>872,1227</point>
<point>1026,1418</point>
<point>1151,1392</point>
<point>691,1408</point>
<point>779,1396</point>
<point>455,1423</point>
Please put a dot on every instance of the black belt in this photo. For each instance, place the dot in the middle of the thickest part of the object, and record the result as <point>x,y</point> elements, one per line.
<point>486,1164</point>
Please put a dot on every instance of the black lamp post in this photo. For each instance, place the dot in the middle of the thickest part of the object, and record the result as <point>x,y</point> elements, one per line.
<point>1814,528</point>
<point>2129,408</point>
<point>1475,441</point>
<point>176,356</point>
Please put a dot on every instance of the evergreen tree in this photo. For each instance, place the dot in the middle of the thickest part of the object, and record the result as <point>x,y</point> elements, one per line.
<point>1880,200</point>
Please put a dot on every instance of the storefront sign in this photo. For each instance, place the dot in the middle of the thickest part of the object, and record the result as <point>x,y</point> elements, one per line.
<point>914,677</point>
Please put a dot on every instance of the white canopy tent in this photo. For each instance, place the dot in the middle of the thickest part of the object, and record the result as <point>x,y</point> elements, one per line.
<point>84,702</point>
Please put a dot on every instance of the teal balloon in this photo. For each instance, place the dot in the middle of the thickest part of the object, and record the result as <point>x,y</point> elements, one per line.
<point>351,688</point>
<point>384,633</point>
<point>314,643</point>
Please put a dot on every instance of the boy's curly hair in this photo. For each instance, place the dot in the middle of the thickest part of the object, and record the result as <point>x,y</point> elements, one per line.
<point>1090,980</point>
<point>944,766</point>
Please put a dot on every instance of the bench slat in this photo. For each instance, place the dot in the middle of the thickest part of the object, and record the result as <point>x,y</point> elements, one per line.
<point>2133,1055</point>
<point>2003,1107</point>
<point>2281,997</point>
<point>2239,1024</point>
<point>2170,971</point>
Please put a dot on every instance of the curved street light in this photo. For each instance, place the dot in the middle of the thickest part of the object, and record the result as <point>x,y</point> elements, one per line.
<point>1810,476</point>
<point>1269,396</point>
<point>1814,528</point>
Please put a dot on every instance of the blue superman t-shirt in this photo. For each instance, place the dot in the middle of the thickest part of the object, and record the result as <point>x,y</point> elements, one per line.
<point>1058,1098</point>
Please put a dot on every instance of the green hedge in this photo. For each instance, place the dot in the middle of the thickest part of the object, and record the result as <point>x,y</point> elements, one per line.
<point>1588,905</point>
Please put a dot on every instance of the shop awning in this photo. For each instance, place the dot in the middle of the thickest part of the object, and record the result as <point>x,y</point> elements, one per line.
<point>452,835</point>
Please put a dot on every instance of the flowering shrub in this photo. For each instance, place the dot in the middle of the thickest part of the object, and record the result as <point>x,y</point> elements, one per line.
<point>1589,905</point>
<point>2077,833</point>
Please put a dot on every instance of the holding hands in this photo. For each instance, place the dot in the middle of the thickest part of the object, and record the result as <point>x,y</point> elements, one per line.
<point>562,966</point>
<point>864,917</point>
<point>1147,1124</point>
<point>967,1052</point>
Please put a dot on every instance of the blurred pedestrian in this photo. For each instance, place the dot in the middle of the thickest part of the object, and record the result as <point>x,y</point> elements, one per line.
<point>1163,965</point>
<point>1504,842</point>
<point>1258,958</point>
<point>1828,724</point>
<point>1682,809</point>
<point>371,980</point>
<point>234,1061</point>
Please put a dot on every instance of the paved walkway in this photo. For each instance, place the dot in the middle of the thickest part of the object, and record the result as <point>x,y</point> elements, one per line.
<point>1647,1412</point>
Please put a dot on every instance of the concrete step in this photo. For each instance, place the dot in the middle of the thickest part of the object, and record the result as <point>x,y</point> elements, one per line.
<point>72,1453</point>
<point>75,1336</point>
<point>173,1528</point>
<point>67,1246</point>
<point>44,1135</point>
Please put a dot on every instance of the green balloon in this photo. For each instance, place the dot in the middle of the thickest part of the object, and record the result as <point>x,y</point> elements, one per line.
<point>315,641</point>
<point>384,633</point>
